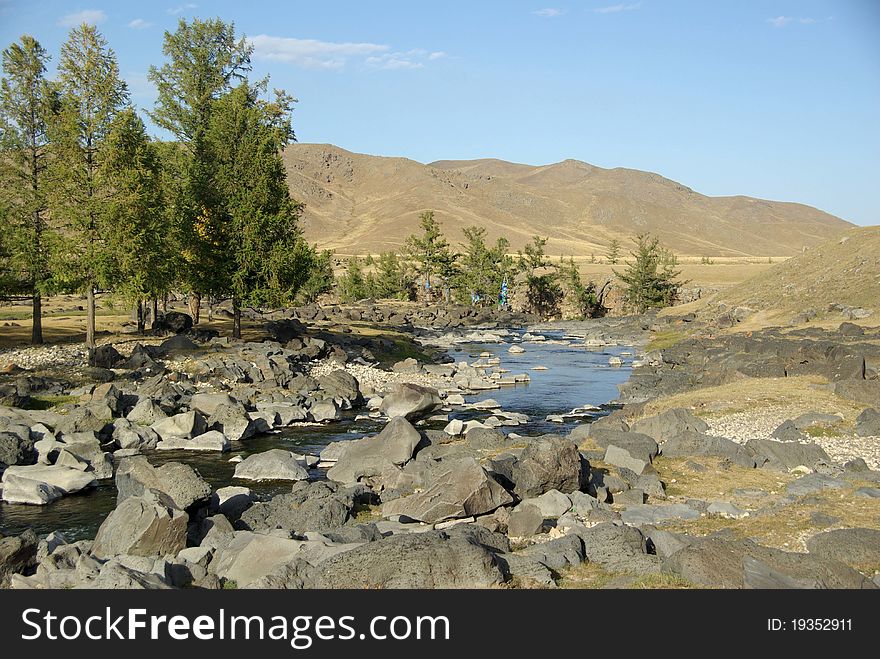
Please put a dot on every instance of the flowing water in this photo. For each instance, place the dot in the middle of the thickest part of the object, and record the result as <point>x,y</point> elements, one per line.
<point>574,377</point>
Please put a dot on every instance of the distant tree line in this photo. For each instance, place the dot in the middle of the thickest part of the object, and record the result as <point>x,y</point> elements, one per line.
<point>90,204</point>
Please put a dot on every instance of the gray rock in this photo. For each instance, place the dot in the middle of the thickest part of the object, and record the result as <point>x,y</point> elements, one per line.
<point>185,425</point>
<point>657,514</point>
<point>858,547</point>
<point>814,483</point>
<point>115,576</point>
<point>552,504</point>
<point>867,493</point>
<point>274,464</point>
<point>716,562</point>
<point>868,423</point>
<point>547,463</point>
<point>727,510</point>
<point>207,404</point>
<point>688,444</point>
<point>787,455</point>
<point>213,440</point>
<point>435,559</point>
<point>249,557</point>
<point>17,555</point>
<point>371,456</point>
<point>318,506</point>
<point>454,489</point>
<point>146,412</point>
<point>293,575</point>
<point>485,438</point>
<point>411,401</point>
<point>235,423</point>
<point>324,410</point>
<point>617,548</point>
<point>525,521</point>
<point>340,384</point>
<point>42,484</point>
<point>129,435</point>
<point>182,483</point>
<point>147,525</point>
<point>761,576</point>
<point>621,457</point>
<point>670,423</point>
<point>558,553</point>
<point>231,501</point>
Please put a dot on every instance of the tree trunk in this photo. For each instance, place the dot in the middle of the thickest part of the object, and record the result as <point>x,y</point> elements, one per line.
<point>211,309</point>
<point>140,316</point>
<point>195,305</point>
<point>156,311</point>
<point>90,318</point>
<point>165,303</point>
<point>37,322</point>
<point>236,318</point>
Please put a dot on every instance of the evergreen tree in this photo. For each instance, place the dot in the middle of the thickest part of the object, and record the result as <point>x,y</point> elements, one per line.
<point>26,102</point>
<point>263,260</point>
<point>320,276</point>
<point>583,296</point>
<point>482,268</point>
<point>352,284</point>
<point>434,261</point>
<point>92,95</point>
<point>613,254</point>
<point>204,61</point>
<point>137,220</point>
<point>543,292</point>
<point>650,281</point>
<point>393,278</point>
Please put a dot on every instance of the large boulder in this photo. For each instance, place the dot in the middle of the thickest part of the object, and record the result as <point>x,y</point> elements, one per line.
<point>184,425</point>
<point>174,322</point>
<point>235,423</point>
<point>340,384</point>
<point>146,412</point>
<point>148,525</point>
<point>17,554</point>
<point>252,556</point>
<point>454,489</point>
<point>690,444</point>
<point>670,423</point>
<point>16,448</point>
<point>434,559</point>
<point>859,548</point>
<point>182,483</point>
<point>547,463</point>
<point>716,562</point>
<point>272,465</point>
<point>372,456</point>
<point>319,506</point>
<point>868,423</point>
<point>207,403</point>
<point>129,435</point>
<point>42,484</point>
<point>411,401</point>
<point>213,440</point>
<point>787,455</point>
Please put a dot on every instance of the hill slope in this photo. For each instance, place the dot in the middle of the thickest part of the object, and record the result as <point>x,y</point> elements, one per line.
<point>843,271</point>
<point>359,203</point>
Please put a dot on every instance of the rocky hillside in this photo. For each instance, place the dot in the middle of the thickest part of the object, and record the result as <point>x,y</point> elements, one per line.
<point>838,276</point>
<point>359,203</point>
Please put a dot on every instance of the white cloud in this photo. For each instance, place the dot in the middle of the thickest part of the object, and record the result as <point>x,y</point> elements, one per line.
<point>782,21</point>
<point>408,60</point>
<point>173,11</point>
<point>437,54</point>
<point>548,12</point>
<point>311,53</point>
<point>90,16</point>
<point>614,9</point>
<point>139,24</point>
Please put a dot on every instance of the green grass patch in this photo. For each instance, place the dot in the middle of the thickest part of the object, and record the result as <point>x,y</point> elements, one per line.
<point>664,340</point>
<point>823,431</point>
<point>48,402</point>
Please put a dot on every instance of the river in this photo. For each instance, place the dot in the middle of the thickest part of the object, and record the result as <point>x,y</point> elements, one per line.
<point>574,377</point>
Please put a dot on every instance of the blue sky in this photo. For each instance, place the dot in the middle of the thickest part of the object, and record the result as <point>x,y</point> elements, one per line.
<point>769,98</point>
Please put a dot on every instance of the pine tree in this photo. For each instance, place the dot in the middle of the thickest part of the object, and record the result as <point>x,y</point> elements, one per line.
<point>352,284</point>
<point>650,281</point>
<point>543,291</point>
<point>92,95</point>
<point>482,269</point>
<point>138,230</point>
<point>26,102</point>
<point>205,61</point>
<point>392,278</point>
<point>263,258</point>
<point>434,261</point>
<point>613,254</point>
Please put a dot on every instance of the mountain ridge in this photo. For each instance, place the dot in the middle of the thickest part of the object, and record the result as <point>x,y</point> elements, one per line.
<point>358,204</point>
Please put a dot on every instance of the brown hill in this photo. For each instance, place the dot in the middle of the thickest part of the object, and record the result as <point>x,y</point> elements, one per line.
<point>358,204</point>
<point>844,271</point>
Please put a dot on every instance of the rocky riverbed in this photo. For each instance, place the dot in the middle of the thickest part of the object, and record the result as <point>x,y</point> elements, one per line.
<point>302,461</point>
